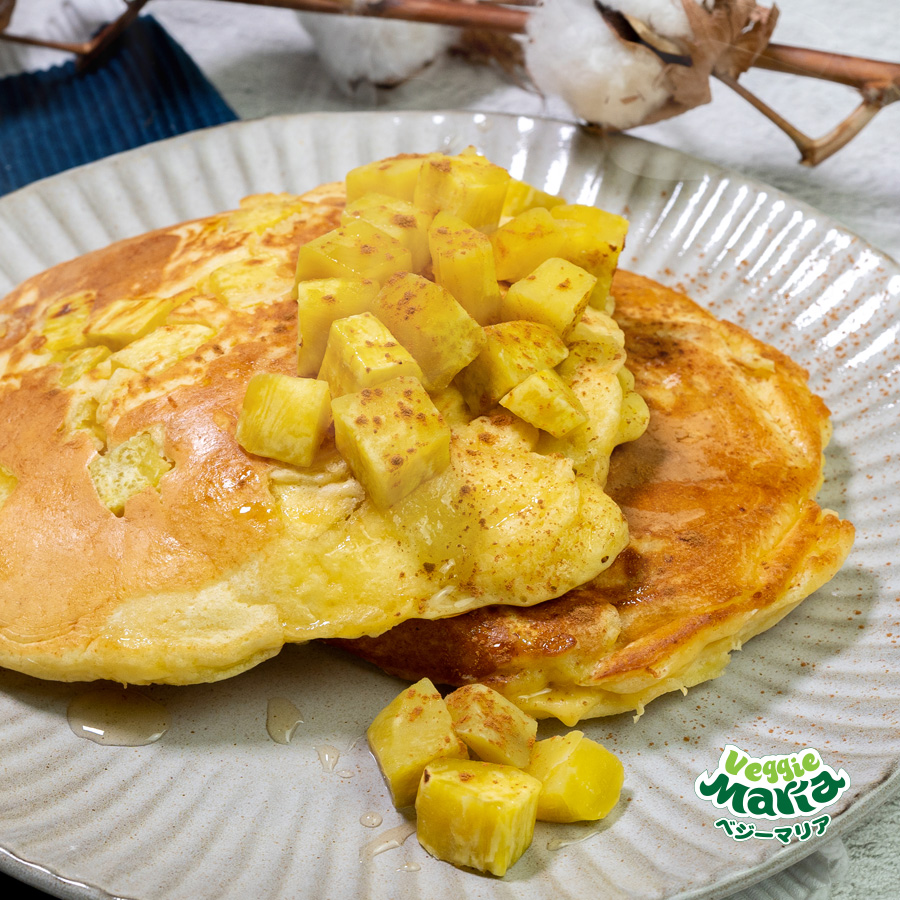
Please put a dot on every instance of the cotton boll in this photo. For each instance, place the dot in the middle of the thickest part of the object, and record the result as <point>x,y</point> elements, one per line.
<point>364,48</point>
<point>573,54</point>
<point>665,17</point>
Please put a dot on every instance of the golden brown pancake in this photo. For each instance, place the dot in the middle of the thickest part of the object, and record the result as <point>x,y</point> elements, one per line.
<point>725,536</point>
<point>140,543</point>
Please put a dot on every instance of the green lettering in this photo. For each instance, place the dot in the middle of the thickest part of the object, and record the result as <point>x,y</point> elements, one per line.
<point>734,763</point>
<point>752,772</point>
<point>760,802</point>
<point>784,769</point>
<point>725,790</point>
<point>770,767</point>
<point>784,800</point>
<point>827,789</point>
<point>810,762</point>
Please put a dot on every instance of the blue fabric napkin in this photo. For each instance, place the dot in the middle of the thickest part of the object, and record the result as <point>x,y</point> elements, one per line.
<point>145,89</point>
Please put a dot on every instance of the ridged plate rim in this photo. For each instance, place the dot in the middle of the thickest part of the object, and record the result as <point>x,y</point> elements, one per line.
<point>43,219</point>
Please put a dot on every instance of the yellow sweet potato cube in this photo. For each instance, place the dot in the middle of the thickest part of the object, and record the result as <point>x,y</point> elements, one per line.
<point>495,729</point>
<point>66,320</point>
<point>524,242</point>
<point>284,417</point>
<point>547,402</point>
<point>467,186</point>
<point>398,218</point>
<point>476,814</point>
<point>596,327</point>
<point>319,302</point>
<point>125,320</point>
<point>593,240</point>
<point>442,337</point>
<point>155,352</point>
<point>581,779</point>
<point>8,482</point>
<point>127,469</point>
<point>393,438</point>
<point>246,283</point>
<point>512,352</point>
<point>395,176</point>
<point>555,293</point>
<point>521,197</point>
<point>462,260</point>
<point>361,353</point>
<point>356,249</point>
<point>80,362</point>
<point>410,732</point>
<point>634,416</point>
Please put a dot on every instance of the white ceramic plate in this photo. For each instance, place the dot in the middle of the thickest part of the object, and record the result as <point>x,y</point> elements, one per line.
<point>218,810</point>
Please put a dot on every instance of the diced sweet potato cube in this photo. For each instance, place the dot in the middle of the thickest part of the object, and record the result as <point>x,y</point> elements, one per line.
<point>581,779</point>
<point>393,438</point>
<point>513,351</point>
<point>524,242</point>
<point>547,402</point>
<point>410,732</point>
<point>476,814</point>
<point>155,352</point>
<point>319,302</point>
<point>395,176</point>
<point>467,186</point>
<point>491,726</point>
<point>521,197</point>
<point>246,283</point>
<point>462,260</point>
<point>398,218</point>
<point>594,239</point>
<point>555,293</point>
<point>356,249</point>
<point>596,327</point>
<point>284,417</point>
<point>442,337</point>
<point>127,469</point>
<point>361,353</point>
<point>66,320</point>
<point>122,321</point>
<point>81,361</point>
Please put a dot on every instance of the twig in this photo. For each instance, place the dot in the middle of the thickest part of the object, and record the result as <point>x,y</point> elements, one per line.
<point>877,81</point>
<point>88,52</point>
<point>438,12</point>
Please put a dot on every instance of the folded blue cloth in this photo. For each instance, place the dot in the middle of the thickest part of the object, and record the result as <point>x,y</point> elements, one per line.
<point>146,88</point>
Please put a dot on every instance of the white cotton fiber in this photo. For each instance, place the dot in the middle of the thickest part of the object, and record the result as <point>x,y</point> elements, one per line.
<point>363,48</point>
<point>572,53</point>
<point>665,17</point>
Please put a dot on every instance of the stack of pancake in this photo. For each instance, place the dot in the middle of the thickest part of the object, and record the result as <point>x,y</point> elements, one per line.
<point>140,543</point>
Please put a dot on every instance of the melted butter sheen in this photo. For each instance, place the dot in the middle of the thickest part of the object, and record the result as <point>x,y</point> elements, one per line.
<point>118,718</point>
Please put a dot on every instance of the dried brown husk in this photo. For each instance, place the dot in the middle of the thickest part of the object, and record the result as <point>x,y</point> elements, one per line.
<point>6,11</point>
<point>484,46</point>
<point>726,41</point>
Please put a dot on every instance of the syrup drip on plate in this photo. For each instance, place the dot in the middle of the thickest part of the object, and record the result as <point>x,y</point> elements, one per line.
<point>370,819</point>
<point>390,840</point>
<point>117,718</point>
<point>282,719</point>
<point>328,756</point>
<point>559,843</point>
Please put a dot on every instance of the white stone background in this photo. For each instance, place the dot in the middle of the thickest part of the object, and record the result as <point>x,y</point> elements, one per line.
<point>264,63</point>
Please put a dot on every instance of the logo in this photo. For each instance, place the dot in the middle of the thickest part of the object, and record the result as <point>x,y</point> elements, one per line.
<point>773,788</point>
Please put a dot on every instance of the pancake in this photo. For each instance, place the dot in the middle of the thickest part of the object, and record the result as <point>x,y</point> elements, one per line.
<point>140,543</point>
<point>725,534</point>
